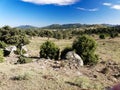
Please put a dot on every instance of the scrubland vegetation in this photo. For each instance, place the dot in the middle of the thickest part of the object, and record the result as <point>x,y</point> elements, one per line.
<point>46,68</point>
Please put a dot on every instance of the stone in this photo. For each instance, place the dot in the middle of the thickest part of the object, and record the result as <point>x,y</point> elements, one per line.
<point>79,74</point>
<point>24,48</point>
<point>71,55</point>
<point>26,55</point>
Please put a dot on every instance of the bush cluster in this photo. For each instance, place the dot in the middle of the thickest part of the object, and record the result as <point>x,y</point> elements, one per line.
<point>10,35</point>
<point>67,33</point>
<point>84,46</point>
<point>13,36</point>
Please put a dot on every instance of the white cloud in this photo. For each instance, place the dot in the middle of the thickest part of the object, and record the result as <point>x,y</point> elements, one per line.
<point>117,7</point>
<point>107,4</point>
<point>113,6</point>
<point>91,10</point>
<point>81,8</point>
<point>56,2</point>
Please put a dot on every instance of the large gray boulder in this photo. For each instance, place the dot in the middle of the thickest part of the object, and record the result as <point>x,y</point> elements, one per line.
<point>75,58</point>
<point>11,48</point>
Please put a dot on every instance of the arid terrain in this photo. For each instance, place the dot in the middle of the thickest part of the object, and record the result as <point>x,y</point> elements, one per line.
<point>59,44</point>
<point>46,74</point>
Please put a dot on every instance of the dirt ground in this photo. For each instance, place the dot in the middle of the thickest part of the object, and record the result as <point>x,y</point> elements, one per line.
<point>44,74</point>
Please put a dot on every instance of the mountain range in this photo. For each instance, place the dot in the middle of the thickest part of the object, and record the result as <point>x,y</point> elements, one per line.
<point>65,26</point>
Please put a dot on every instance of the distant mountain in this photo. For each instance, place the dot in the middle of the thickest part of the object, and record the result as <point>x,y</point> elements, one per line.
<point>26,27</point>
<point>53,26</point>
<point>109,25</point>
<point>63,26</point>
<point>76,25</point>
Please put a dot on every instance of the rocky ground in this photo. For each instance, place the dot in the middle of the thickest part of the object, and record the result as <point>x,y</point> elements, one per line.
<point>44,74</point>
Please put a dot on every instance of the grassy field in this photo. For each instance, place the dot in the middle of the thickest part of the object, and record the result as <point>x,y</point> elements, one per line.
<point>109,49</point>
<point>42,75</point>
<point>37,41</point>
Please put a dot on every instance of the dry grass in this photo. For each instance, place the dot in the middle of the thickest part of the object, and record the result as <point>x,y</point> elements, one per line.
<point>109,49</point>
<point>34,46</point>
<point>32,77</point>
<point>41,76</point>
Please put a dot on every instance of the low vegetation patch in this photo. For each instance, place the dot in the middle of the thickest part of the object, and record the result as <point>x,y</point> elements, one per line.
<point>86,83</point>
<point>21,77</point>
<point>18,52</point>
<point>113,35</point>
<point>2,44</point>
<point>23,60</point>
<point>102,36</point>
<point>1,56</point>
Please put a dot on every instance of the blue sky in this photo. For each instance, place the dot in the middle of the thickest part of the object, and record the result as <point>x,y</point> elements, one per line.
<point>46,12</point>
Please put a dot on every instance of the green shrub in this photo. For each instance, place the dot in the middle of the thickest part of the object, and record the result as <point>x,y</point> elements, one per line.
<point>23,60</point>
<point>49,50</point>
<point>1,56</point>
<point>91,59</point>
<point>102,36</point>
<point>2,44</point>
<point>64,52</point>
<point>85,47</point>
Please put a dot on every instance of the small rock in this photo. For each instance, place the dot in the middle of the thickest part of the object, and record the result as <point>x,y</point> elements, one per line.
<point>112,79</point>
<point>79,73</point>
<point>26,55</point>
